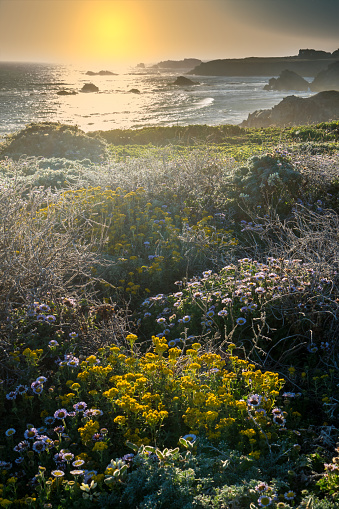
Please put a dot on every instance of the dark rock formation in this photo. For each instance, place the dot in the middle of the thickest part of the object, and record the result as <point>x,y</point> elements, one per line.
<point>66,92</point>
<point>134,91</point>
<point>327,80</point>
<point>293,110</point>
<point>101,73</point>
<point>182,81</point>
<point>268,66</point>
<point>89,87</point>
<point>187,63</point>
<point>288,80</point>
<point>313,53</point>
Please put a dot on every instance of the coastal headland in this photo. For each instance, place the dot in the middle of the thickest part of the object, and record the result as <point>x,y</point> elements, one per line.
<point>307,63</point>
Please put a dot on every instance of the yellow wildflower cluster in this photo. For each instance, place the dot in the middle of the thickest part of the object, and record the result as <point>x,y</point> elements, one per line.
<point>207,396</point>
<point>32,356</point>
<point>88,430</point>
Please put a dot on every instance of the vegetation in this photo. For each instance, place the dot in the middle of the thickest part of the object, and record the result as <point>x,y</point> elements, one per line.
<point>169,319</point>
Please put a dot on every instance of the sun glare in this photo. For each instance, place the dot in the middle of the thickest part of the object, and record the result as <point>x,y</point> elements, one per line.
<point>109,31</point>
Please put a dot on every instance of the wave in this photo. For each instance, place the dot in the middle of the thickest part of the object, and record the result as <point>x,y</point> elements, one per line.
<point>203,103</point>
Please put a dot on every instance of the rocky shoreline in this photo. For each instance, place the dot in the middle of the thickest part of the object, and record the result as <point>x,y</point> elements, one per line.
<point>293,111</point>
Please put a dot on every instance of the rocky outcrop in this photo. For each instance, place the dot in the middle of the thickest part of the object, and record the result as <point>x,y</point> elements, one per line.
<point>313,53</point>
<point>182,81</point>
<point>293,110</point>
<point>327,80</point>
<point>267,66</point>
<point>89,87</point>
<point>101,73</point>
<point>134,91</point>
<point>67,92</point>
<point>187,63</point>
<point>288,80</point>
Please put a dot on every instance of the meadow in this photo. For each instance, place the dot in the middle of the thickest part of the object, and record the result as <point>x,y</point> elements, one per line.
<point>169,318</point>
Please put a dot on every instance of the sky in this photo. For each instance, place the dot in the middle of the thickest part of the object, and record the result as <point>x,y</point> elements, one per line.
<point>134,31</point>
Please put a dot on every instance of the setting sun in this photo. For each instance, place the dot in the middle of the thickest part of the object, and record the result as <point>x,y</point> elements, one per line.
<point>111,32</point>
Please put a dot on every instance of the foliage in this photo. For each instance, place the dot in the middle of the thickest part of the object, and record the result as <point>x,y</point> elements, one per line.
<point>52,139</point>
<point>164,342</point>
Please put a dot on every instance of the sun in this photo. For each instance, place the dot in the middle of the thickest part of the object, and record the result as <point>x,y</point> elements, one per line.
<point>109,30</point>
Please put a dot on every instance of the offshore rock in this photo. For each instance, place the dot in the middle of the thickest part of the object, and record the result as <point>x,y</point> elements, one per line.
<point>134,91</point>
<point>101,73</point>
<point>66,92</point>
<point>89,87</point>
<point>292,110</point>
<point>327,80</point>
<point>288,80</point>
<point>182,81</point>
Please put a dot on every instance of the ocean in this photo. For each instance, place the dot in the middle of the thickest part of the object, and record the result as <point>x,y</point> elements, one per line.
<point>28,93</point>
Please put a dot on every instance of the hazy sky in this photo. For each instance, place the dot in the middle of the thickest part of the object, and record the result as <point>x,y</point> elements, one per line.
<point>133,31</point>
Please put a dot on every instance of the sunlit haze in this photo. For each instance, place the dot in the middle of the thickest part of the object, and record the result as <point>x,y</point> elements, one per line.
<point>119,32</point>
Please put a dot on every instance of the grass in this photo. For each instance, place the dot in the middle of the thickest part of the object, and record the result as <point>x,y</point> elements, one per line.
<point>169,319</point>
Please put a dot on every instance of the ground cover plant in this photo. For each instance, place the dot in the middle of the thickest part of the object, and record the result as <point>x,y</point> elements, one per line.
<point>169,321</point>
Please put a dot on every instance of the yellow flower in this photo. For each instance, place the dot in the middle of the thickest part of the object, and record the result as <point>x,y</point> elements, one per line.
<point>87,432</point>
<point>255,455</point>
<point>120,419</point>
<point>99,446</point>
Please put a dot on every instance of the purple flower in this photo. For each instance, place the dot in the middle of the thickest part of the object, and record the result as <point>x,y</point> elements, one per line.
<point>93,412</point>
<point>80,407</point>
<point>254,400</point>
<point>241,321</point>
<point>11,395</point>
<point>73,362</point>
<point>31,433</point>
<point>10,432</point>
<point>21,389</point>
<point>37,387</point>
<point>44,307</point>
<point>21,446</point>
<point>39,446</point>
<point>61,413</point>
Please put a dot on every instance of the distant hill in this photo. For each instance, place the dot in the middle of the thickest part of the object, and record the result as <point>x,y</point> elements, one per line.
<point>307,63</point>
<point>187,63</point>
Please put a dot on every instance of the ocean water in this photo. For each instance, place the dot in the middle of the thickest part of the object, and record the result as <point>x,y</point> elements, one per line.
<point>28,93</point>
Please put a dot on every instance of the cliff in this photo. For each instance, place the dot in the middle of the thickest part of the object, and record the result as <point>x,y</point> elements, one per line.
<point>265,66</point>
<point>292,110</point>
